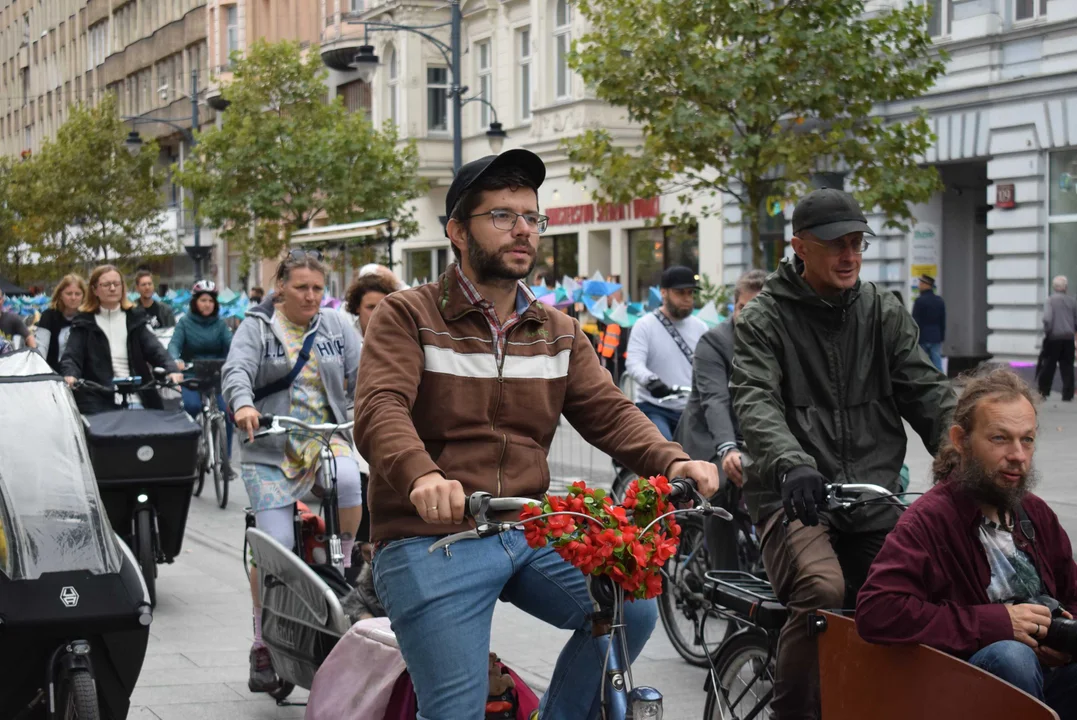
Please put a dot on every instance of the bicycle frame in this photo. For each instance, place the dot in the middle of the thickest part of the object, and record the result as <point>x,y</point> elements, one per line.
<point>619,699</point>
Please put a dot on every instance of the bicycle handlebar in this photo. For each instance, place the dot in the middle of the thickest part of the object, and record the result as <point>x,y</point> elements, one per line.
<point>478,504</point>
<point>283,424</point>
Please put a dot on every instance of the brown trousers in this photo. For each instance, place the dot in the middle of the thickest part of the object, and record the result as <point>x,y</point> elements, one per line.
<point>811,568</point>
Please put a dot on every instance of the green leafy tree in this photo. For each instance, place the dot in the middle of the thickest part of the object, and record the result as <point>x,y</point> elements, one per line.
<point>749,98</point>
<point>84,198</point>
<point>284,156</point>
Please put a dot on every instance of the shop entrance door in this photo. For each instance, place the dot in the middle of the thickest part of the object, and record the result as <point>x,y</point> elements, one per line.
<point>963,282</point>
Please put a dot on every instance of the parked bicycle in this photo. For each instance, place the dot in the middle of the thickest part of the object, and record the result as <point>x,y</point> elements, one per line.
<point>620,698</point>
<point>213,448</point>
<point>741,682</point>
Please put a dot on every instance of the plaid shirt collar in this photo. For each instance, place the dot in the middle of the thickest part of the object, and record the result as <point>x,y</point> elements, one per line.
<point>524,298</point>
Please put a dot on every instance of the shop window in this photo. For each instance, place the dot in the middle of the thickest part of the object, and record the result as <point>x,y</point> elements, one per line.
<point>1062,215</point>
<point>419,265</point>
<point>558,255</point>
<point>652,250</point>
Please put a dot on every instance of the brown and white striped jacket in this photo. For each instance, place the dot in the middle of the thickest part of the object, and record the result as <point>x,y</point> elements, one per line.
<point>432,398</point>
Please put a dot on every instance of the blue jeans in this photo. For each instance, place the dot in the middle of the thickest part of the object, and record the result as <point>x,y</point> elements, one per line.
<point>1017,664</point>
<point>441,608</point>
<point>665,418</point>
<point>192,404</point>
<point>934,351</point>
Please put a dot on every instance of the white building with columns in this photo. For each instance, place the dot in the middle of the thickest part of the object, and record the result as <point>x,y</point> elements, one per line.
<point>514,55</point>
<point>1005,115</point>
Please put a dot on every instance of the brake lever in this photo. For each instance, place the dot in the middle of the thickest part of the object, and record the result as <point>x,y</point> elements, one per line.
<point>478,532</point>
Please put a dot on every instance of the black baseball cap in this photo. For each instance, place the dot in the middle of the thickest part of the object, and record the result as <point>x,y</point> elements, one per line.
<point>829,214</point>
<point>524,160</point>
<point>679,277</point>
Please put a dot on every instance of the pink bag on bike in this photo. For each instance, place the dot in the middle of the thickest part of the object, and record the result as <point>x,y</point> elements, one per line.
<point>365,678</point>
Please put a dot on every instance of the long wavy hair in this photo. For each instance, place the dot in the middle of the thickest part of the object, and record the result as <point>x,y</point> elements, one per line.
<point>992,383</point>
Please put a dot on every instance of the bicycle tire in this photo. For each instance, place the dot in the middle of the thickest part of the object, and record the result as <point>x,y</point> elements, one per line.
<point>621,482</point>
<point>78,697</point>
<point>147,560</point>
<point>220,462</point>
<point>725,701</point>
<point>203,461</point>
<point>283,690</point>
<point>682,585</point>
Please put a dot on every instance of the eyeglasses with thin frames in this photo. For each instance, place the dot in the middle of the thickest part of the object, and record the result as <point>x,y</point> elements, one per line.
<point>110,285</point>
<point>506,219</point>
<point>859,247</point>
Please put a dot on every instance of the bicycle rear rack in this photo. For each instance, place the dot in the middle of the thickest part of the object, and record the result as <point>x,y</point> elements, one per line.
<point>750,586</point>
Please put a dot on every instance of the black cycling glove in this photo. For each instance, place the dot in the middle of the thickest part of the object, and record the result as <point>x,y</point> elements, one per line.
<point>803,490</point>
<point>658,389</point>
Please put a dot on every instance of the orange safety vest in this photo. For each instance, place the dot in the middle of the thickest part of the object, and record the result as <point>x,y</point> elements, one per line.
<point>610,340</point>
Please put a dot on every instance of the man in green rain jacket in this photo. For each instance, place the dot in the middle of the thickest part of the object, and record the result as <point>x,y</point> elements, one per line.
<point>824,369</point>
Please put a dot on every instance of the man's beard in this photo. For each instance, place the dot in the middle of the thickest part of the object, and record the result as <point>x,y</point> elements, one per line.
<point>985,487</point>
<point>677,313</point>
<point>491,266</point>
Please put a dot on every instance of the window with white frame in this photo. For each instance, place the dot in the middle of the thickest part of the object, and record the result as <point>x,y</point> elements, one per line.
<point>232,31</point>
<point>485,81</point>
<point>523,59</point>
<point>1029,9</point>
<point>942,17</point>
<point>1062,214</point>
<point>562,35</point>
<point>437,99</point>
<point>394,85</point>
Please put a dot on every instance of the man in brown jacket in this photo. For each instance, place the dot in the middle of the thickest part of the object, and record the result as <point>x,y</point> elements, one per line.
<point>461,385</point>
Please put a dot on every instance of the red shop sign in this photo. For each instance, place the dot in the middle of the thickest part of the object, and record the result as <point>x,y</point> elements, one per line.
<point>638,209</point>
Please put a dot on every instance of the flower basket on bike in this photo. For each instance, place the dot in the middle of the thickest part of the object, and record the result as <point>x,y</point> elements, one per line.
<point>75,611</point>
<point>617,546</point>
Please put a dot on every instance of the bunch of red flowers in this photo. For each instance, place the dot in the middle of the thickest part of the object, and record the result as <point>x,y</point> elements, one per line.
<point>616,545</point>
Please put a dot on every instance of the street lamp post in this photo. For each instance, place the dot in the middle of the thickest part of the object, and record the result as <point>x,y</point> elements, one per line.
<point>134,145</point>
<point>366,62</point>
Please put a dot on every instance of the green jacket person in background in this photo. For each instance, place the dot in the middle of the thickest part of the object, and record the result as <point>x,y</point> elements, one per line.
<point>824,369</point>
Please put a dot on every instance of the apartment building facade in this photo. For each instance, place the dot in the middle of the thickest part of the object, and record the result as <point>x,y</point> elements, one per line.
<point>151,53</point>
<point>1005,118</point>
<point>514,55</point>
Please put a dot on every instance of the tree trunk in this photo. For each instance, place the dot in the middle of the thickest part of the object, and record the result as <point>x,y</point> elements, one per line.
<point>755,199</point>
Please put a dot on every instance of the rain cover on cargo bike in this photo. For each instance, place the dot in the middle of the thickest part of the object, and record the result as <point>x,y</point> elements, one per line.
<point>63,573</point>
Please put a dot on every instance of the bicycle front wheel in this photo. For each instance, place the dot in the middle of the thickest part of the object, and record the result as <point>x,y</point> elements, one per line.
<point>221,469</point>
<point>78,697</point>
<point>745,671</point>
<point>203,458</point>
<point>694,629</point>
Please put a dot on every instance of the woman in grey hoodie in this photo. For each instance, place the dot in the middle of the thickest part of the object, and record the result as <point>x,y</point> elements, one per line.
<point>279,470</point>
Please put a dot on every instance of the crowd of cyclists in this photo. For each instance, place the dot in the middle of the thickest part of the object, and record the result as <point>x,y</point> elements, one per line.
<point>461,387</point>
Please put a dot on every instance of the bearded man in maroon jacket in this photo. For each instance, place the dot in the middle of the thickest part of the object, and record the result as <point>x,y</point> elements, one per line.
<point>975,566</point>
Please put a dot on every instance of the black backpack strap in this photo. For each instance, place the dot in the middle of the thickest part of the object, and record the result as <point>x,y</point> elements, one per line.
<point>286,382</point>
<point>668,325</point>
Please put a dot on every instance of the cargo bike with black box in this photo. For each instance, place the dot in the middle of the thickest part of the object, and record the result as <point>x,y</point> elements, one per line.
<point>146,462</point>
<point>74,610</point>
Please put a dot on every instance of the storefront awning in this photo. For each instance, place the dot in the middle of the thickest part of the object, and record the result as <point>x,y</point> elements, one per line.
<point>344,232</point>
